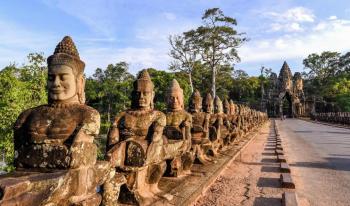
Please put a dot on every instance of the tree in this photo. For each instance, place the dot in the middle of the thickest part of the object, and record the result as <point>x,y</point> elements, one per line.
<point>109,90</point>
<point>216,41</point>
<point>185,55</point>
<point>322,66</point>
<point>20,89</point>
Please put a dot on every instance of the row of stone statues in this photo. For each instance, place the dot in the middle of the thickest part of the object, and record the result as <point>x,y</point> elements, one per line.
<point>332,117</point>
<point>55,153</point>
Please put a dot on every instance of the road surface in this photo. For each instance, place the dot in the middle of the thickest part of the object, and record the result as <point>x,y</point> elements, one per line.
<point>319,157</point>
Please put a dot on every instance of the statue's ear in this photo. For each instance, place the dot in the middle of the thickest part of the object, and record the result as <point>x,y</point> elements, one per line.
<point>81,88</point>
<point>152,100</point>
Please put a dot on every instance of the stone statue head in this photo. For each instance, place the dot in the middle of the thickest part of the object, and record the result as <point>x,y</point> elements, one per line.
<point>143,92</point>
<point>227,108</point>
<point>208,106</point>
<point>175,97</point>
<point>233,107</point>
<point>66,80</point>
<point>298,81</point>
<point>218,105</point>
<point>195,104</point>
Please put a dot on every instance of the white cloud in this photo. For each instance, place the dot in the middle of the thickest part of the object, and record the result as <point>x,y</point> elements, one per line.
<point>333,18</point>
<point>291,20</point>
<point>296,14</point>
<point>329,35</point>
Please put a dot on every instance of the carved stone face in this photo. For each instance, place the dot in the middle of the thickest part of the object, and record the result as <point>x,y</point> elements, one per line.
<point>61,83</point>
<point>143,98</point>
<point>175,101</point>
<point>196,106</point>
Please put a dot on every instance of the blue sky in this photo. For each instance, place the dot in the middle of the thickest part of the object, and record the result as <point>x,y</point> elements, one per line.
<point>107,31</point>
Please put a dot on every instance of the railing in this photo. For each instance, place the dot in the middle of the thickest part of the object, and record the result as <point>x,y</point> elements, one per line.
<point>332,117</point>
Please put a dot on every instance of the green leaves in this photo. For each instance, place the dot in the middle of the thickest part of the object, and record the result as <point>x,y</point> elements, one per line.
<point>20,89</point>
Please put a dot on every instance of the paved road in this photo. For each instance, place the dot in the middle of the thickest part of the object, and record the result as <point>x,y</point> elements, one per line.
<point>319,157</point>
<point>251,180</point>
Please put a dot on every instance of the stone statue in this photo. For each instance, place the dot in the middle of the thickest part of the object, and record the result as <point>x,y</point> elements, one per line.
<point>55,156</point>
<point>135,145</point>
<point>214,124</point>
<point>222,123</point>
<point>200,129</point>
<point>234,121</point>
<point>177,132</point>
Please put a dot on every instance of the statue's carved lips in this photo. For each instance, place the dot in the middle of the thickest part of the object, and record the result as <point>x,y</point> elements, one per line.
<point>56,91</point>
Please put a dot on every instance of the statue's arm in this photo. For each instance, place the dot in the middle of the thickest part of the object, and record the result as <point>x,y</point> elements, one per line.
<point>158,127</point>
<point>113,136</point>
<point>18,128</point>
<point>90,128</point>
<point>188,126</point>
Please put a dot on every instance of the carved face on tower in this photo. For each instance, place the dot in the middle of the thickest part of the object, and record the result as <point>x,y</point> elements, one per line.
<point>208,104</point>
<point>195,104</point>
<point>175,96</point>
<point>143,93</point>
<point>65,74</point>
<point>298,81</point>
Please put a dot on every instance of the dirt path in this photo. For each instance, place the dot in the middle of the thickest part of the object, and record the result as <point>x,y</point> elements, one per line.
<point>253,179</point>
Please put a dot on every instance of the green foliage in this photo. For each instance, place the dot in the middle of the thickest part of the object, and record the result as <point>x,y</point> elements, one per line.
<point>109,90</point>
<point>327,75</point>
<point>20,89</point>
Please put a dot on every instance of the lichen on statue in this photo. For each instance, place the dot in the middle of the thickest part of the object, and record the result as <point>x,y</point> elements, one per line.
<point>135,144</point>
<point>177,133</point>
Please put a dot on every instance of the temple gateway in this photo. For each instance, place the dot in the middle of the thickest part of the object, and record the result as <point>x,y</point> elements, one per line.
<point>285,95</point>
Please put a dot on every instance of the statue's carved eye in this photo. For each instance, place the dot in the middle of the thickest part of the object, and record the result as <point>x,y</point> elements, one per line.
<point>51,77</point>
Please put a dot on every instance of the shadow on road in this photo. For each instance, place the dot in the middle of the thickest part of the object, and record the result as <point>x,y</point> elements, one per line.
<point>269,182</point>
<point>333,163</point>
<point>267,201</point>
<point>270,169</point>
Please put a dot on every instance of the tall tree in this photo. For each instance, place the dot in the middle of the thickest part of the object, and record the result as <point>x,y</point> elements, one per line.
<point>216,41</point>
<point>185,56</point>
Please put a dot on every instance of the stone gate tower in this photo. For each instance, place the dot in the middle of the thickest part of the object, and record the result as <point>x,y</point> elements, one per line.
<point>285,94</point>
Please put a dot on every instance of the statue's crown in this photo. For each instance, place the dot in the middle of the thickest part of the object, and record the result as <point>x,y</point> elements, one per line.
<point>66,53</point>
<point>174,87</point>
<point>208,98</point>
<point>143,82</point>
<point>196,96</point>
<point>67,46</point>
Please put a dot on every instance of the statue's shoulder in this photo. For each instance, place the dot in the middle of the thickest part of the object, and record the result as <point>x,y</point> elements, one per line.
<point>25,114</point>
<point>88,112</point>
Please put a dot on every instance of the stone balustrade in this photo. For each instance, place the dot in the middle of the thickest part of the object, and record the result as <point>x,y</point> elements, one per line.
<point>332,117</point>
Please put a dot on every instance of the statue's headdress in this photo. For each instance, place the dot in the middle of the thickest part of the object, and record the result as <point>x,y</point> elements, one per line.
<point>218,104</point>
<point>207,101</point>
<point>227,108</point>
<point>195,99</point>
<point>143,82</point>
<point>67,54</point>
<point>233,107</point>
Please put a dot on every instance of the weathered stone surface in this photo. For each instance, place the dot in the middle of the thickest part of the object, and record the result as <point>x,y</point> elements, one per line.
<point>289,199</point>
<point>286,181</point>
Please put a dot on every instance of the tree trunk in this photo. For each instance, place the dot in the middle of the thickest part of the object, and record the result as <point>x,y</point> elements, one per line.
<point>191,83</point>
<point>213,82</point>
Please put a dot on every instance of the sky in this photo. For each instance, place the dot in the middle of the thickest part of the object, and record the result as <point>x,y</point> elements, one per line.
<point>137,31</point>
